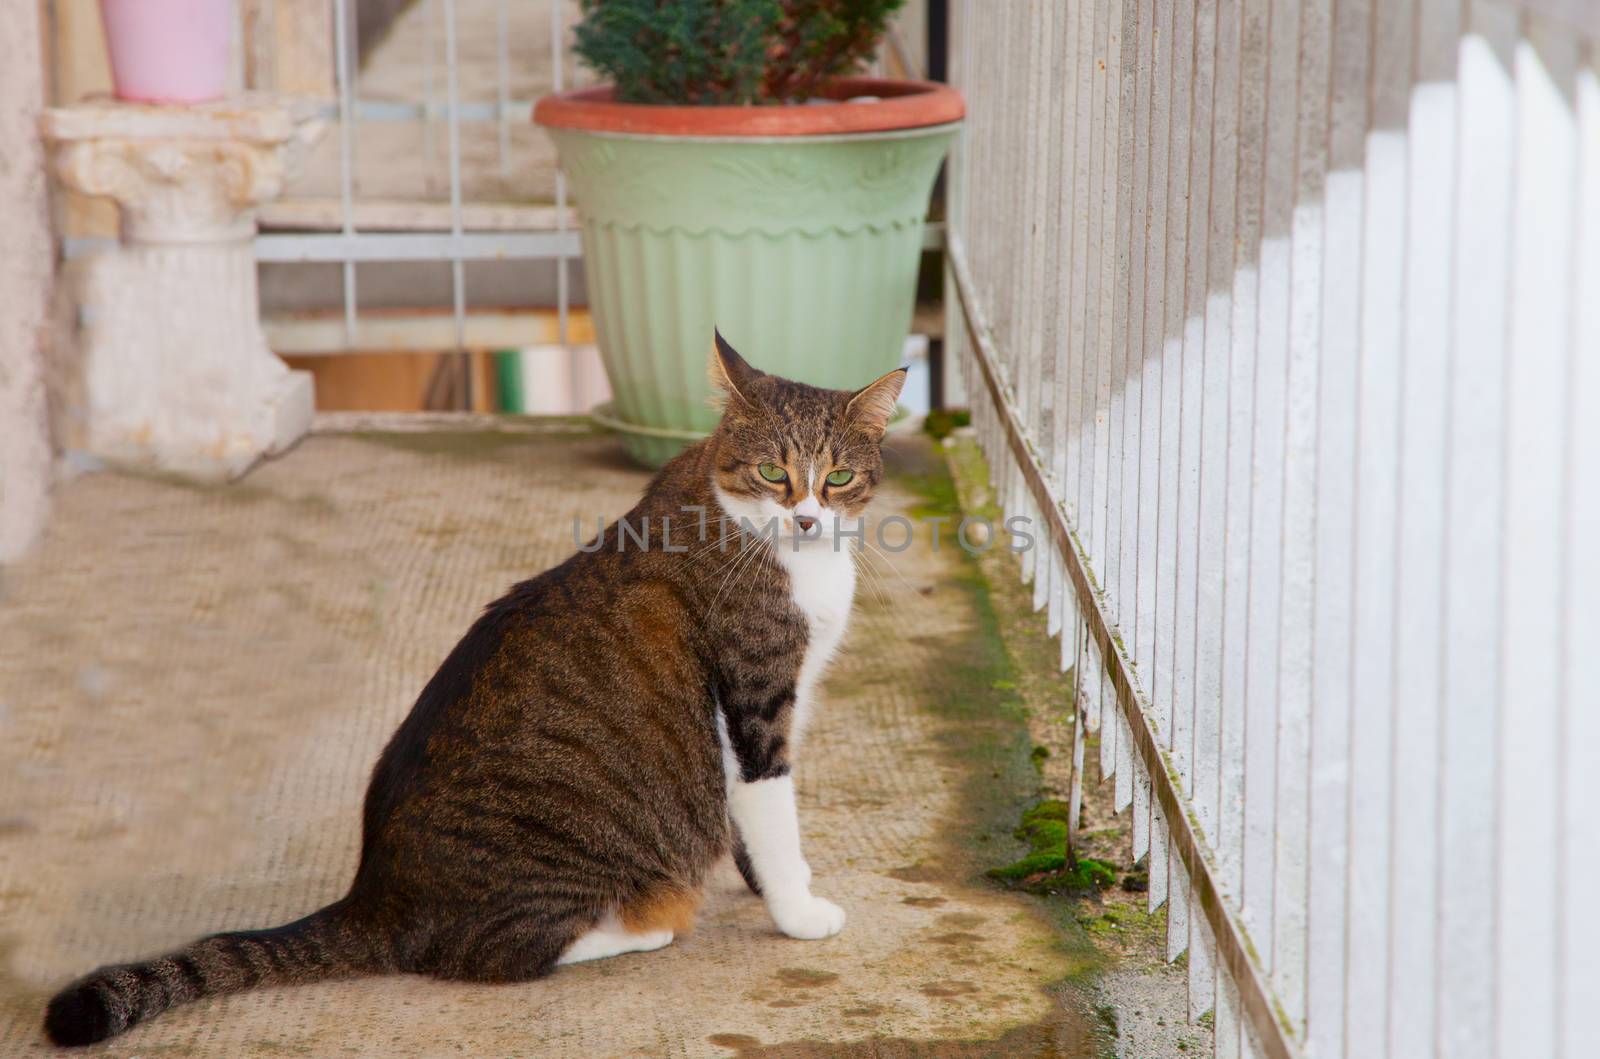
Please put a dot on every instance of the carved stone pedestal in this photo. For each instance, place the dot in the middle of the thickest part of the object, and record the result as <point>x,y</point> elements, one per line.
<point>178,376</point>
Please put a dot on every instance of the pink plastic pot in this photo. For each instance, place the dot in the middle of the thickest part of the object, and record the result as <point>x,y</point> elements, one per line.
<point>168,51</point>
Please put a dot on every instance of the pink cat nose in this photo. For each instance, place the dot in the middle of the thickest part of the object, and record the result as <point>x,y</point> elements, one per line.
<point>805,522</point>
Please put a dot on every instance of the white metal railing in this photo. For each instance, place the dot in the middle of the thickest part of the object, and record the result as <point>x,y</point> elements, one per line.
<point>353,227</point>
<point>420,230</point>
<point>1284,315</point>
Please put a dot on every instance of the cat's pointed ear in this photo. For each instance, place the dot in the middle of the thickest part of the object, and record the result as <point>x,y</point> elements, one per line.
<point>873,404</point>
<point>729,372</point>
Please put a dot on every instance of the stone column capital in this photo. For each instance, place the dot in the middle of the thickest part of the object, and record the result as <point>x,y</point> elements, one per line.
<point>179,174</point>
<point>177,373</point>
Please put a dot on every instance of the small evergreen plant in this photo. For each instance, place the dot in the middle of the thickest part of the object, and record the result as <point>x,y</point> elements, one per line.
<point>727,51</point>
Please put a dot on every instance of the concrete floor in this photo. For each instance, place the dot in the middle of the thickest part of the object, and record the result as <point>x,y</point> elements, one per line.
<point>195,682</point>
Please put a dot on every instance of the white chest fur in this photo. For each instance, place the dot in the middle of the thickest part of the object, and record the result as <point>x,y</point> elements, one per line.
<point>822,584</point>
<point>822,579</point>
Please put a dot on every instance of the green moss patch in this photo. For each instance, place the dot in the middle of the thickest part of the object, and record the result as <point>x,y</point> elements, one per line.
<point>941,424</point>
<point>1048,867</point>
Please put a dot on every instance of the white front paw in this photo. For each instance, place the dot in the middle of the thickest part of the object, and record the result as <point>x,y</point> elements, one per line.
<point>808,917</point>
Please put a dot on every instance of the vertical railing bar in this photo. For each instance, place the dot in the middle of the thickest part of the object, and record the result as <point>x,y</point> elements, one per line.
<point>1497,984</point>
<point>1079,736</point>
<point>1446,544</point>
<point>502,72</point>
<point>1133,337</point>
<point>1571,836</point>
<point>993,122</point>
<point>1052,410</point>
<point>1563,646</point>
<point>1133,376</point>
<point>1093,524</point>
<point>1044,568</point>
<point>1026,341</point>
<point>1254,493</point>
<point>341,44</point>
<point>1544,204</point>
<point>1397,599</point>
<point>1419,1031</point>
<point>1164,624</point>
<point>1019,112</point>
<point>1155,244</point>
<point>430,102</point>
<point>1043,368</point>
<point>1018,41</point>
<point>1060,234</point>
<point>563,293</point>
<point>1346,166</point>
<point>1163,693</point>
<point>1083,661</point>
<point>1190,420</point>
<point>1377,575</point>
<point>1277,208</point>
<point>1179,733</point>
<point>1140,337</point>
<point>1174,693</point>
<point>1156,295</point>
<point>1028,253</point>
<point>1288,551</point>
<point>1083,184</point>
<point>1073,433</point>
<point>1205,711</point>
<point>1244,233</point>
<point>457,268</point>
<point>1486,143</point>
<point>1075,271</point>
<point>1110,297</point>
<point>1396,594</point>
<point>1115,309</point>
<point>999,469</point>
<point>1110,156</point>
<point>1207,339</point>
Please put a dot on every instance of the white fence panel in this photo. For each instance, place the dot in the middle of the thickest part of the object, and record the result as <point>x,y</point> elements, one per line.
<point>1281,318</point>
<point>1577,862</point>
<point>1472,543</point>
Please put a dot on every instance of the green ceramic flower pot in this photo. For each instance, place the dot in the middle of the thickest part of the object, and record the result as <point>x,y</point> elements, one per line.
<point>802,249</point>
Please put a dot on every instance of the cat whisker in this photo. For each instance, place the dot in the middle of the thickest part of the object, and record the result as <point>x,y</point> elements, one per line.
<point>720,542</point>
<point>725,568</point>
<point>751,556</point>
<point>728,569</point>
<point>878,554</point>
<point>870,576</point>
<point>878,578</point>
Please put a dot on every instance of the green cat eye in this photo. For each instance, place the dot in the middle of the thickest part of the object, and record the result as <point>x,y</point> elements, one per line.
<point>841,477</point>
<point>772,472</point>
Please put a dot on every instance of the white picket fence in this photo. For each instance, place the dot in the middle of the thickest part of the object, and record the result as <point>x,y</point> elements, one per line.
<point>1284,315</point>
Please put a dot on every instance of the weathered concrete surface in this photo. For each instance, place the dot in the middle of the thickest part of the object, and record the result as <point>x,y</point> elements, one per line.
<point>1139,1000</point>
<point>27,266</point>
<point>194,683</point>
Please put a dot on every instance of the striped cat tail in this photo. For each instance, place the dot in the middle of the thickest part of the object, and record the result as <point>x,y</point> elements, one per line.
<point>325,944</point>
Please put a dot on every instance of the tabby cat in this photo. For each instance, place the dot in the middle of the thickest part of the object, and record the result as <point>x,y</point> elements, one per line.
<point>567,778</point>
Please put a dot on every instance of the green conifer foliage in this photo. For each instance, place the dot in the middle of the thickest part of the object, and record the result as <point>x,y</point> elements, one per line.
<point>727,51</point>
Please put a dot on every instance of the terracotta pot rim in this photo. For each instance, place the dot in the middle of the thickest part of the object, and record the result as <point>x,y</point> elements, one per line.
<point>901,104</point>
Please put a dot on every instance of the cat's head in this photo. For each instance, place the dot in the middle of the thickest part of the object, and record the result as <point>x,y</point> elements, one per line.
<point>802,455</point>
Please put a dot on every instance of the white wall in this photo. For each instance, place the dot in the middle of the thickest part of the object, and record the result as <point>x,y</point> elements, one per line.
<point>26,273</point>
